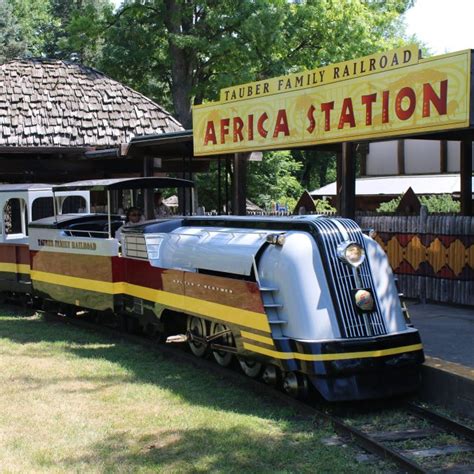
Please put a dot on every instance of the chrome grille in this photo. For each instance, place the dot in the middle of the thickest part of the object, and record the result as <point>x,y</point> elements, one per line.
<point>352,324</point>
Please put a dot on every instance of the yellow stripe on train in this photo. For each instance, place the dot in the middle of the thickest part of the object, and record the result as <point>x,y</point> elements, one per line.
<point>329,357</point>
<point>15,268</point>
<point>184,303</point>
<point>257,337</point>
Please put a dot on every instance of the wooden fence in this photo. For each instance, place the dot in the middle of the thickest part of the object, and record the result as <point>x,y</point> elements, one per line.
<point>432,255</point>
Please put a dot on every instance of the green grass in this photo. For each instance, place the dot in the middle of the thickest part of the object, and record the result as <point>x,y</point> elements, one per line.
<point>77,401</point>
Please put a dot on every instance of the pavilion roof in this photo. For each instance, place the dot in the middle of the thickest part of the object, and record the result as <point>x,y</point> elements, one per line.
<point>54,103</point>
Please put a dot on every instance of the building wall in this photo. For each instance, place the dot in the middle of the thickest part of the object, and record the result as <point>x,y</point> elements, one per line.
<point>421,157</point>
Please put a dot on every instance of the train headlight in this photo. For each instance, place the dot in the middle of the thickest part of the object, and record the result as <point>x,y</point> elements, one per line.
<point>351,253</point>
<point>364,300</point>
<point>281,239</point>
<point>276,239</point>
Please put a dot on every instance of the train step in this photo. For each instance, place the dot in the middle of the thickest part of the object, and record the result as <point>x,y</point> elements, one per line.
<point>276,321</point>
<point>272,305</point>
<point>268,288</point>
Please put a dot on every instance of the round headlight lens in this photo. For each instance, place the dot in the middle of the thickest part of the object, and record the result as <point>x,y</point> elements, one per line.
<point>351,253</point>
<point>281,239</point>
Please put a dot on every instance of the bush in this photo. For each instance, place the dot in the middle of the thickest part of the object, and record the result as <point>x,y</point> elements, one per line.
<point>441,203</point>
<point>434,203</point>
<point>389,206</point>
<point>323,206</point>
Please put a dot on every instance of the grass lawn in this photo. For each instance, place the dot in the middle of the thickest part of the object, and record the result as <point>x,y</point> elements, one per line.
<point>71,400</point>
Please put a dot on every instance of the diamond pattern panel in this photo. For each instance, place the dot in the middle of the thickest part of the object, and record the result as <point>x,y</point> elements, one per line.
<point>439,256</point>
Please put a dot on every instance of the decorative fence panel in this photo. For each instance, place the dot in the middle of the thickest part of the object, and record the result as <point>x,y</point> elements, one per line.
<point>432,255</point>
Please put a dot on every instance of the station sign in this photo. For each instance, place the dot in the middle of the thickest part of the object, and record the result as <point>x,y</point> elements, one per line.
<point>375,97</point>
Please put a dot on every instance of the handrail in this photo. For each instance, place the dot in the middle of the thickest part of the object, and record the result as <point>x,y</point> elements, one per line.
<point>74,232</point>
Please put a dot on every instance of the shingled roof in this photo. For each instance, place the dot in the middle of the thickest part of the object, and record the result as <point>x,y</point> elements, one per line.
<point>51,103</point>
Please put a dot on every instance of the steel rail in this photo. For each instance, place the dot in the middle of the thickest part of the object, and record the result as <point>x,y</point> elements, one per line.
<point>375,447</point>
<point>441,421</point>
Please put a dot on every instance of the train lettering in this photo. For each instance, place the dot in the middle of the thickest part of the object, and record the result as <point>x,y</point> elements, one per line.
<point>367,110</point>
<point>67,244</point>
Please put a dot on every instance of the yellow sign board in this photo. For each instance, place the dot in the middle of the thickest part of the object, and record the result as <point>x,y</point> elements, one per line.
<point>394,59</point>
<point>391,94</point>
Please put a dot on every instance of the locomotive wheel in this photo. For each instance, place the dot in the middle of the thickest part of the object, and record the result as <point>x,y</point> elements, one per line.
<point>197,326</point>
<point>295,385</point>
<point>271,375</point>
<point>223,358</point>
<point>250,368</point>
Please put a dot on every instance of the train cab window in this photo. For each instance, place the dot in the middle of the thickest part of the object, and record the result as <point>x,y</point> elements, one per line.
<point>74,205</point>
<point>15,217</point>
<point>42,207</point>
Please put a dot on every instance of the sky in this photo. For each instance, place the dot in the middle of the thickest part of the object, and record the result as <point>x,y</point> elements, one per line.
<point>442,25</point>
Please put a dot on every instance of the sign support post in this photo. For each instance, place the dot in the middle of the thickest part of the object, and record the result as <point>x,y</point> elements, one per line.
<point>148,204</point>
<point>466,177</point>
<point>346,177</point>
<point>239,184</point>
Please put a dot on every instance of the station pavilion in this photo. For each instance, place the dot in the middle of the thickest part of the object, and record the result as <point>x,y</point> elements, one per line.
<point>57,116</point>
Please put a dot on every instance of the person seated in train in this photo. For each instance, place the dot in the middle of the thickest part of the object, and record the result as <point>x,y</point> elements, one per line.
<point>161,209</point>
<point>133,215</point>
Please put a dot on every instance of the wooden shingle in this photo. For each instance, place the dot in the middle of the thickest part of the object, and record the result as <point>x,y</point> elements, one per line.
<point>58,103</point>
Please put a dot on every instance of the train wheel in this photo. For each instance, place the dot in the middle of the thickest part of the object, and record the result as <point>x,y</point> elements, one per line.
<point>295,385</point>
<point>197,326</point>
<point>223,358</point>
<point>271,375</point>
<point>250,368</point>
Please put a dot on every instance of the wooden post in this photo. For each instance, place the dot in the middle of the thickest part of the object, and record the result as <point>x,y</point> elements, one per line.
<point>219,185</point>
<point>239,185</point>
<point>148,205</point>
<point>401,156</point>
<point>363,152</point>
<point>346,181</point>
<point>227,175</point>
<point>443,156</point>
<point>466,177</point>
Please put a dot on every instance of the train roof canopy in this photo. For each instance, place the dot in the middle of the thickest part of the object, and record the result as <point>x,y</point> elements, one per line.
<point>124,183</point>
<point>4,188</point>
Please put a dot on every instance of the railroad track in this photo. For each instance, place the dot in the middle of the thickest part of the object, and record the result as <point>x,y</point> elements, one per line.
<point>379,444</point>
<point>390,443</point>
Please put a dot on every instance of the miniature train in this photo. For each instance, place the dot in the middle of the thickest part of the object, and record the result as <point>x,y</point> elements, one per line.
<point>309,302</point>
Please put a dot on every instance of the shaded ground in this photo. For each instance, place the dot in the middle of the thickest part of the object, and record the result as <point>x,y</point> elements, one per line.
<point>74,401</point>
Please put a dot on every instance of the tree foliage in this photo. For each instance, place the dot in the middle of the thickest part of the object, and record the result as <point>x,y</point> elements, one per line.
<point>190,49</point>
<point>11,40</point>
<point>63,29</point>
<point>270,181</point>
<point>273,180</point>
<point>182,52</point>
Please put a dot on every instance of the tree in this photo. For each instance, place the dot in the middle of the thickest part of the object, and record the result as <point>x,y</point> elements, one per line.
<point>62,29</point>
<point>274,180</point>
<point>180,52</point>
<point>192,48</point>
<point>79,22</point>
<point>11,41</point>
<point>269,181</point>
<point>35,21</point>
